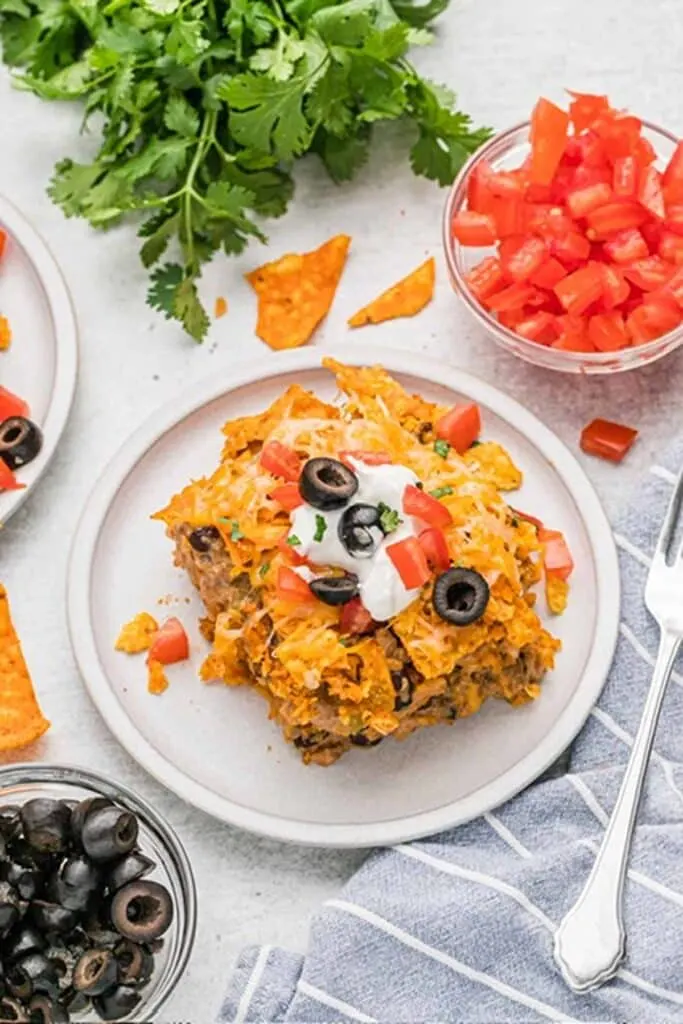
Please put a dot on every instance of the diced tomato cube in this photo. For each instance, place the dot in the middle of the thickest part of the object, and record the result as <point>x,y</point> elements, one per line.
<point>479,195</point>
<point>572,248</point>
<point>574,340</point>
<point>3,243</point>
<point>548,274</point>
<point>355,619</point>
<point>619,134</point>
<point>460,426</point>
<point>649,273</point>
<point>425,507</point>
<point>278,459</point>
<point>650,321</point>
<point>367,457</point>
<point>539,193</point>
<point>291,587</point>
<point>557,557</point>
<point>474,229</point>
<point>510,216</point>
<point>625,177</point>
<point>410,562</point>
<point>675,287</point>
<point>674,218</point>
<point>615,287</point>
<point>11,405</point>
<point>652,233</point>
<point>671,248</point>
<point>577,291</point>
<point>525,260</point>
<point>592,150</point>
<point>618,216</point>
<point>287,496</point>
<point>591,197</point>
<point>170,643</point>
<point>562,184</point>
<point>8,481</point>
<point>607,332</point>
<point>507,184</point>
<point>644,152</point>
<point>627,246</point>
<point>607,440</point>
<point>486,278</point>
<point>585,176</point>
<point>585,108</point>
<point>433,543</point>
<point>542,327</point>
<point>514,297</point>
<point>548,136</point>
<point>650,194</point>
<point>672,179</point>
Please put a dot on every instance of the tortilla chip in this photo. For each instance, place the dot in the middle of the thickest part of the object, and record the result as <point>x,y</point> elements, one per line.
<point>295,292</point>
<point>157,680</point>
<point>556,592</point>
<point>5,334</point>
<point>406,298</point>
<point>220,307</point>
<point>21,720</point>
<point>138,634</point>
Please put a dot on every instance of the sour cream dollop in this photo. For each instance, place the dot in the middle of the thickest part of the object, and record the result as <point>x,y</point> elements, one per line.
<point>380,586</point>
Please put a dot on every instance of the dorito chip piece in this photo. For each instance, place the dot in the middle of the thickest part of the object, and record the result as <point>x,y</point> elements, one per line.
<point>295,292</point>
<point>21,720</point>
<point>157,680</point>
<point>5,334</point>
<point>406,298</point>
<point>138,634</point>
<point>557,593</point>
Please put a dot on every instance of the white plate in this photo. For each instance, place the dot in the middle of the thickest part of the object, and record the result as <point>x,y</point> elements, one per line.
<point>41,365</point>
<point>214,746</point>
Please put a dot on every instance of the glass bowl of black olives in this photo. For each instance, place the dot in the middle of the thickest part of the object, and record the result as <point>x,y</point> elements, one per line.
<point>97,900</point>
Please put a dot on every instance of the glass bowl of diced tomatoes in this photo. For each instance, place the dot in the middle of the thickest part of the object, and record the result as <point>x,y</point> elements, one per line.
<point>564,238</point>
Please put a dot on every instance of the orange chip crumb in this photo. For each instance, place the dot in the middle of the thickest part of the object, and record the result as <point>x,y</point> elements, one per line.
<point>21,720</point>
<point>220,308</point>
<point>138,634</point>
<point>157,680</point>
<point>5,334</point>
<point>406,298</point>
<point>557,593</point>
<point>295,292</point>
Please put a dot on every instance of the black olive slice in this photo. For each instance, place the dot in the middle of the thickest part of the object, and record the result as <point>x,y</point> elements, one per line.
<point>12,1011</point>
<point>21,943</point>
<point>81,811</point>
<point>46,824</point>
<point>96,972</point>
<point>132,867</point>
<point>327,484</point>
<point>335,590</point>
<point>117,1003</point>
<point>33,973</point>
<point>356,528</point>
<point>142,911</point>
<point>76,883</point>
<point>20,441</point>
<point>10,821</point>
<point>52,917</point>
<point>109,832</point>
<point>43,1010</point>
<point>203,537</point>
<point>461,596</point>
<point>136,964</point>
<point>9,915</point>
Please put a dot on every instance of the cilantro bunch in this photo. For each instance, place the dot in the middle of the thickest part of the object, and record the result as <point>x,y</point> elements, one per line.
<point>203,106</point>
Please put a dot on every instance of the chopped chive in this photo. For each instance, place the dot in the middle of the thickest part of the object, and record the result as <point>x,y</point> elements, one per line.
<point>475,444</point>
<point>235,532</point>
<point>442,448</point>
<point>346,641</point>
<point>441,492</point>
<point>293,540</point>
<point>263,571</point>
<point>320,528</point>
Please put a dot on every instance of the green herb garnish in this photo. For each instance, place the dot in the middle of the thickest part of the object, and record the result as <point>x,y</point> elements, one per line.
<point>235,532</point>
<point>320,528</point>
<point>441,492</point>
<point>475,444</point>
<point>293,540</point>
<point>199,109</point>
<point>442,448</point>
<point>346,641</point>
<point>263,571</point>
<point>389,519</point>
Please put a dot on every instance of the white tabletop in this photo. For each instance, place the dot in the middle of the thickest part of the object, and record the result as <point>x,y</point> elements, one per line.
<point>499,55</point>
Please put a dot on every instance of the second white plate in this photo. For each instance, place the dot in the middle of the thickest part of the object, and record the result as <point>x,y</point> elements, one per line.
<point>214,746</point>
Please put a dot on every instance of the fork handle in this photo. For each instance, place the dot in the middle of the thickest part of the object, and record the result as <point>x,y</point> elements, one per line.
<point>591,940</point>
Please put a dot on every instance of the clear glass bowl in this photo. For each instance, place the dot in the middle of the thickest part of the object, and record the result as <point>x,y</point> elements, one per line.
<point>504,151</point>
<point>156,839</point>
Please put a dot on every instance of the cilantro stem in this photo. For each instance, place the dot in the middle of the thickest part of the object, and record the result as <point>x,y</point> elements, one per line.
<point>188,191</point>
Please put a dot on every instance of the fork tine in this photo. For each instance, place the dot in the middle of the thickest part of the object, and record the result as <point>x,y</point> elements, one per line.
<point>671,520</point>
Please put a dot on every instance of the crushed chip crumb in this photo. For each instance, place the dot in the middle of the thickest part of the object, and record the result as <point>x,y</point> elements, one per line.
<point>220,307</point>
<point>157,680</point>
<point>557,592</point>
<point>138,634</point>
<point>5,334</point>
<point>406,298</point>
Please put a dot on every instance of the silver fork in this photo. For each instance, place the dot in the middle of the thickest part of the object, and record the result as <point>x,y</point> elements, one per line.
<point>591,940</point>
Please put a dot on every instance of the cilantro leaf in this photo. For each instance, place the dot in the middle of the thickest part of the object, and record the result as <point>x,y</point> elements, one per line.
<point>441,492</point>
<point>181,117</point>
<point>268,116</point>
<point>157,232</point>
<point>442,448</point>
<point>162,292</point>
<point>343,157</point>
<point>418,13</point>
<point>293,540</point>
<point>389,518</point>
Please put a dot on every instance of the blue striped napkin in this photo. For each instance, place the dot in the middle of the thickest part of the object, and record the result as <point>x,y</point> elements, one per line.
<point>459,927</point>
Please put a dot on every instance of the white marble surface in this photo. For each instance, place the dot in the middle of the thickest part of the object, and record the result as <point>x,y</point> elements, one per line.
<point>499,55</point>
